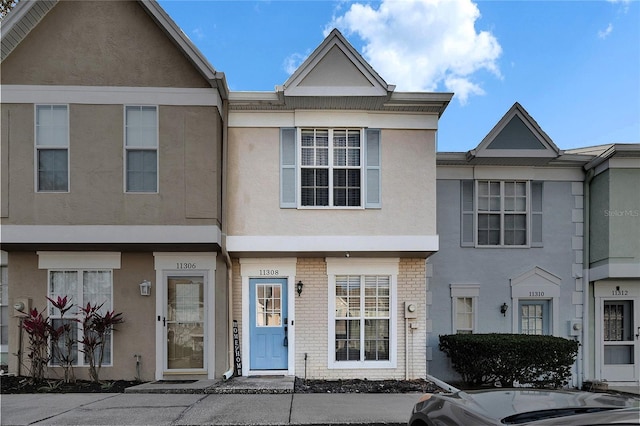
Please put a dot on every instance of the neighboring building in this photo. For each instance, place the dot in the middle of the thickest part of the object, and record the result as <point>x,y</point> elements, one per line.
<point>612,265</point>
<point>332,188</point>
<point>510,222</point>
<point>112,129</point>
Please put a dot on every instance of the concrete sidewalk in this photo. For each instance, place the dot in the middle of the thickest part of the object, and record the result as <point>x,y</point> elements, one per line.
<point>207,409</point>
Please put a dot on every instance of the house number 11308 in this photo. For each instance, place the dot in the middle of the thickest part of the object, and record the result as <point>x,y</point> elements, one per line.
<point>269,272</point>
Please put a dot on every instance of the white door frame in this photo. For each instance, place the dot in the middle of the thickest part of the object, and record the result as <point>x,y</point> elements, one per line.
<point>612,291</point>
<point>179,263</point>
<point>268,268</point>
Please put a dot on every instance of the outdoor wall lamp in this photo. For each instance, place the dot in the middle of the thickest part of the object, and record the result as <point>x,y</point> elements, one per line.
<point>299,287</point>
<point>145,288</point>
<point>503,309</point>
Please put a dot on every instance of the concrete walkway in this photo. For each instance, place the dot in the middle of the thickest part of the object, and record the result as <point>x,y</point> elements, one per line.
<point>207,409</point>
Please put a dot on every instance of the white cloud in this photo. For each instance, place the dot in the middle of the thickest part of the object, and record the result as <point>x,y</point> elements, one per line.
<point>198,33</point>
<point>293,61</point>
<point>605,33</point>
<point>419,45</point>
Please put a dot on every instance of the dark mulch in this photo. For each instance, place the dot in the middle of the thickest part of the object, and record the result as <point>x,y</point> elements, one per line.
<point>364,386</point>
<point>19,384</point>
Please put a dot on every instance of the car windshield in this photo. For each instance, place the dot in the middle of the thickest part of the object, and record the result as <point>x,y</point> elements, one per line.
<point>550,414</point>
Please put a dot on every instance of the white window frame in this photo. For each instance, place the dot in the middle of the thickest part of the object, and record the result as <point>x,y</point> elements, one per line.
<point>502,212</point>
<point>79,262</point>
<point>331,167</point>
<point>362,267</point>
<point>459,291</point>
<point>127,148</point>
<point>38,147</point>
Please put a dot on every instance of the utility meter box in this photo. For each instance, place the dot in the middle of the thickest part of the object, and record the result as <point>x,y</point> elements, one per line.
<point>410,310</point>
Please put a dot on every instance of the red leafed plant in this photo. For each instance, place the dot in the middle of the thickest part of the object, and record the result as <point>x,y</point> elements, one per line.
<point>39,330</point>
<point>63,341</point>
<point>96,327</point>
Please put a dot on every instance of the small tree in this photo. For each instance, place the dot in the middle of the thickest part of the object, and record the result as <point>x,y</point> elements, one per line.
<point>39,331</point>
<point>63,339</point>
<point>96,329</point>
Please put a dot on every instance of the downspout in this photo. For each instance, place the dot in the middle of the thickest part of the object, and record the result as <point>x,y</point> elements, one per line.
<point>585,277</point>
<point>225,153</point>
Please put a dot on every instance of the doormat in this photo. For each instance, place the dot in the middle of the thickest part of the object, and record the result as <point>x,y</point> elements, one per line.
<point>172,382</point>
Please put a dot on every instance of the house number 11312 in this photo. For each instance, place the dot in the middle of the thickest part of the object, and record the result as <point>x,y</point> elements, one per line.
<point>185,265</point>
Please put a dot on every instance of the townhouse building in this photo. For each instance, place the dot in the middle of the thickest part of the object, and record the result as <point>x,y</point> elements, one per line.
<point>332,201</point>
<point>112,125</point>
<point>611,274</point>
<point>316,222</point>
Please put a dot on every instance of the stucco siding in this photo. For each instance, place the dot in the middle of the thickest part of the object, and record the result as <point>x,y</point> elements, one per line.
<point>99,43</point>
<point>493,269</point>
<point>408,190</point>
<point>189,169</point>
<point>131,337</point>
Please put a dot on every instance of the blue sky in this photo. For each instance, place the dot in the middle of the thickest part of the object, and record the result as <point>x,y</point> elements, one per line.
<point>573,65</point>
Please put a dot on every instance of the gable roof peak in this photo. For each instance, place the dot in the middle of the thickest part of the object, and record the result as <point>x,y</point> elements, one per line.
<point>335,68</point>
<point>516,135</point>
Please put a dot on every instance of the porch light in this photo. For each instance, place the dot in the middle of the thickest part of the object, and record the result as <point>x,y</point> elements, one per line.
<point>503,309</point>
<point>145,288</point>
<point>299,287</point>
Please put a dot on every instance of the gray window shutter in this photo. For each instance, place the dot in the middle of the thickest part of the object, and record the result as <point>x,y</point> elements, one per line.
<point>288,172</point>
<point>467,232</point>
<point>536,214</point>
<point>372,170</point>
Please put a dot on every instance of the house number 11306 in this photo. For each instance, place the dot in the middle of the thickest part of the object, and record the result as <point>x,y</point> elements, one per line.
<point>185,265</point>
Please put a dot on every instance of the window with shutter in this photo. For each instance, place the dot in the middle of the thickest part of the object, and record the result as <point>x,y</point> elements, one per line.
<point>500,213</point>
<point>330,168</point>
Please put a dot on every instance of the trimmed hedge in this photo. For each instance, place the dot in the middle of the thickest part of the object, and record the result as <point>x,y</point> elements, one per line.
<point>529,360</point>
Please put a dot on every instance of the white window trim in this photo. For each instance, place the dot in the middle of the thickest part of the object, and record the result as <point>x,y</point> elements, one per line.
<point>330,167</point>
<point>361,267</point>
<point>80,261</point>
<point>536,284</point>
<point>37,147</point>
<point>75,299</point>
<point>464,290</point>
<point>476,212</point>
<point>125,148</point>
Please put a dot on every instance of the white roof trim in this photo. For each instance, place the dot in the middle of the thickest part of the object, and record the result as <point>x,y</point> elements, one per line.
<point>335,39</point>
<point>550,149</point>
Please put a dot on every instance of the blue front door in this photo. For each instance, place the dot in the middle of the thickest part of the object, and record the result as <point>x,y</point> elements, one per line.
<point>268,323</point>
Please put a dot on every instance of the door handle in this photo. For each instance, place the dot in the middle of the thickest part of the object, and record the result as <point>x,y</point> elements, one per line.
<point>638,334</point>
<point>286,337</point>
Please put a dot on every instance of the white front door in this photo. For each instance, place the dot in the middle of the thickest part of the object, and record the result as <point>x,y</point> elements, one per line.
<point>618,332</point>
<point>185,316</point>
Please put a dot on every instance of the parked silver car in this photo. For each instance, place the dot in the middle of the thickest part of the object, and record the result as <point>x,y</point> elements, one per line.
<point>524,407</point>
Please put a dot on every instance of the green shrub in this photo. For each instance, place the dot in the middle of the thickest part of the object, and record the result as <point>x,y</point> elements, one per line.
<point>484,359</point>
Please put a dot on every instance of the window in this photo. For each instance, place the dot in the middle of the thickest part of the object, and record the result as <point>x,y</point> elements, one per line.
<point>82,287</point>
<point>362,318</point>
<point>362,313</point>
<point>534,317</point>
<point>332,168</point>
<point>503,213</point>
<point>141,148</point>
<point>464,300</point>
<point>52,148</point>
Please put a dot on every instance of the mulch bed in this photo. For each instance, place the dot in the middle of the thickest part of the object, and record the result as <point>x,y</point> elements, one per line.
<point>19,384</point>
<point>364,386</point>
